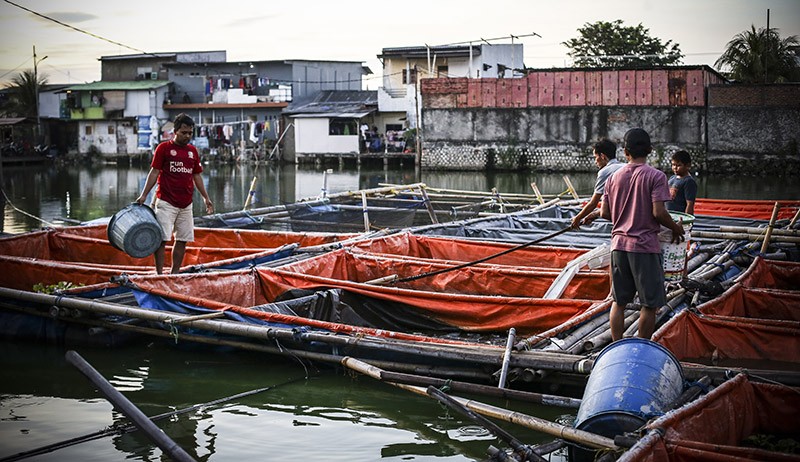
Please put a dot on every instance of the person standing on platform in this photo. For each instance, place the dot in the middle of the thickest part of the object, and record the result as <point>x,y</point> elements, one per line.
<point>176,167</point>
<point>634,200</point>
<point>605,156</point>
<point>682,187</point>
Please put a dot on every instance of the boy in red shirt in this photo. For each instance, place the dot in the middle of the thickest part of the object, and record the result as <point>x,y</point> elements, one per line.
<point>176,167</point>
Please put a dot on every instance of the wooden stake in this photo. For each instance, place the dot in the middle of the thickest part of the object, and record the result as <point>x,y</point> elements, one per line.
<point>774,217</point>
<point>551,428</point>
<point>538,194</point>
<point>571,188</point>
<point>365,211</point>
<point>250,193</point>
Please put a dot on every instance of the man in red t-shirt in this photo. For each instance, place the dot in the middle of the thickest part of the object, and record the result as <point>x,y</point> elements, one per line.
<point>176,167</point>
<point>633,200</point>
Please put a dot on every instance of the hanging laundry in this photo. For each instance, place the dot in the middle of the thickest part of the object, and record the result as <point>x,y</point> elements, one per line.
<point>253,136</point>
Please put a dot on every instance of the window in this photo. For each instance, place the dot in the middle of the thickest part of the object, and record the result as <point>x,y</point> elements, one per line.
<point>342,127</point>
<point>409,76</point>
<point>88,130</point>
<point>110,129</point>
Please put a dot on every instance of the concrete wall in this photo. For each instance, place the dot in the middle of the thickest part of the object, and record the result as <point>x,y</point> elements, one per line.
<point>754,128</point>
<point>552,138</point>
<point>475,124</point>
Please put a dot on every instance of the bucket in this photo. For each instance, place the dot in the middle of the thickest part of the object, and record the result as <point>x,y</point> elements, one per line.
<point>632,380</point>
<point>674,255</point>
<point>135,231</point>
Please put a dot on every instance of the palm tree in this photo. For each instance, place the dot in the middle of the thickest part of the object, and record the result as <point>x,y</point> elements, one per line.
<point>760,56</point>
<point>23,90</point>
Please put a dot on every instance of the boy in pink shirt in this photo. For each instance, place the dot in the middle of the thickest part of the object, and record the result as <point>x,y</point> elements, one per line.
<point>634,200</point>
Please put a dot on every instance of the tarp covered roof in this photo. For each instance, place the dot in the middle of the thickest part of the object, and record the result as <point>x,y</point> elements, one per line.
<point>336,103</point>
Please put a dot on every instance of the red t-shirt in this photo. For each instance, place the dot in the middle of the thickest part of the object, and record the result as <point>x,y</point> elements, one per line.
<point>630,193</point>
<point>178,165</point>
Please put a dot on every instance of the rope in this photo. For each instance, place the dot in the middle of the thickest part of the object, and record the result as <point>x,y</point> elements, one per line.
<point>24,212</point>
<point>481,260</point>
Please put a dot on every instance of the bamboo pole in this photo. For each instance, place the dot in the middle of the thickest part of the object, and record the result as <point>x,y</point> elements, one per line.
<point>537,193</point>
<point>747,237</point>
<point>122,404</point>
<point>468,387</point>
<point>753,230</point>
<point>771,226</point>
<point>429,206</point>
<point>365,211</point>
<point>463,353</point>
<point>551,428</point>
<point>452,403</point>
<point>250,193</point>
<point>794,219</point>
<point>571,188</point>
<point>512,334</point>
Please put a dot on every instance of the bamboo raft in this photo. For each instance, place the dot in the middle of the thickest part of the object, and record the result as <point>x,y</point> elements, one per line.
<point>561,354</point>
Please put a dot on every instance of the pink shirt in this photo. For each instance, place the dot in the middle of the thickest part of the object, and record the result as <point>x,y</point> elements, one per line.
<point>630,194</point>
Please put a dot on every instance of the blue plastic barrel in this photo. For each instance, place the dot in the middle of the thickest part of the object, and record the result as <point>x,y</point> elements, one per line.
<point>632,380</point>
<point>135,231</point>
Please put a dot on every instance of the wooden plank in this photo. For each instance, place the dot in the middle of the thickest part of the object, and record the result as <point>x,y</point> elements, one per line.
<point>644,88</point>
<point>533,89</point>
<point>577,88</point>
<point>610,88</point>
<point>660,87</point>
<point>546,88</point>
<point>474,94</point>
<point>503,93</point>
<point>489,91</point>
<point>677,87</point>
<point>519,92</point>
<point>627,88</point>
<point>594,88</point>
<point>695,88</point>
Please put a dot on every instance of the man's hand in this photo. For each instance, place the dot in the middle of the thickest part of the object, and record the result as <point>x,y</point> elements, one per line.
<point>209,206</point>
<point>678,235</point>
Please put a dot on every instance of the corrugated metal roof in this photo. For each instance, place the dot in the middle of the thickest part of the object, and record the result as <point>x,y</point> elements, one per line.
<point>439,51</point>
<point>336,102</point>
<point>14,120</point>
<point>131,85</point>
<point>334,115</point>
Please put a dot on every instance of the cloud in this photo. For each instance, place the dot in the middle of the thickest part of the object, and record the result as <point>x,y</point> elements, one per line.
<point>244,22</point>
<point>70,17</point>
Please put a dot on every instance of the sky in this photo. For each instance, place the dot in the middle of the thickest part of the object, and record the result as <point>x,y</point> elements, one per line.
<point>348,30</point>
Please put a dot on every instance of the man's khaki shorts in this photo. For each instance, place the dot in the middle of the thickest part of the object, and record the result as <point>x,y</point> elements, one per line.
<point>175,220</point>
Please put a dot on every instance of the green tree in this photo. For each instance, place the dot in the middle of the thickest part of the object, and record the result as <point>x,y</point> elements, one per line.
<point>22,93</point>
<point>760,56</point>
<point>612,44</point>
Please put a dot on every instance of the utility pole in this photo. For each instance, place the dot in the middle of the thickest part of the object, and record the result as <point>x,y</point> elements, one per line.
<point>36,95</point>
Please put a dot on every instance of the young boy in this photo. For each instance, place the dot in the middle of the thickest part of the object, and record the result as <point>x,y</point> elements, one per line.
<point>682,187</point>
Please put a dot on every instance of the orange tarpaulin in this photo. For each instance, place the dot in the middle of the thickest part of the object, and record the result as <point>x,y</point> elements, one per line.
<point>230,238</point>
<point>689,336</point>
<point>481,300</point>
<point>83,255</point>
<point>713,427</point>
<point>464,250</point>
<point>749,302</point>
<point>754,209</point>
<point>772,274</point>
<point>473,280</point>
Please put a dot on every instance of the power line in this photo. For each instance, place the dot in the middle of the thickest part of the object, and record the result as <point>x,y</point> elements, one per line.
<point>76,29</point>
<point>12,70</point>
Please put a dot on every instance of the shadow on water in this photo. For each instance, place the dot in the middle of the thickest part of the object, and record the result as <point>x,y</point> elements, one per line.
<point>331,415</point>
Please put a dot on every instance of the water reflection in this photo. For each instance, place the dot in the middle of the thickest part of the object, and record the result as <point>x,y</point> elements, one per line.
<point>86,192</point>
